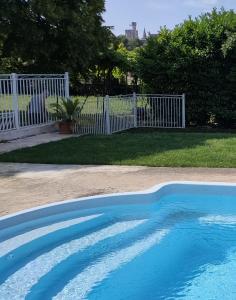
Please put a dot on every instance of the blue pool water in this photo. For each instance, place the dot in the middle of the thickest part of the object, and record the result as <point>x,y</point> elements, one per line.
<point>176,244</point>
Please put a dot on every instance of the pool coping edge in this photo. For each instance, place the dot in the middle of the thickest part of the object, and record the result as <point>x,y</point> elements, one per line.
<point>151,190</point>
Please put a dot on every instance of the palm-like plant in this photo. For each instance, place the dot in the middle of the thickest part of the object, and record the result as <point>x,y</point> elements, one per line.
<point>67,110</point>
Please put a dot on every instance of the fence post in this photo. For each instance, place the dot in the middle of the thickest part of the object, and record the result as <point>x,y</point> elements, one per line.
<point>107,115</point>
<point>67,87</point>
<point>15,99</point>
<point>183,111</point>
<point>135,109</point>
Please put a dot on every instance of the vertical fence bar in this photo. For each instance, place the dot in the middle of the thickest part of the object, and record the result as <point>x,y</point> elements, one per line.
<point>107,115</point>
<point>67,88</point>
<point>15,99</point>
<point>134,100</point>
<point>183,111</point>
<point>28,91</point>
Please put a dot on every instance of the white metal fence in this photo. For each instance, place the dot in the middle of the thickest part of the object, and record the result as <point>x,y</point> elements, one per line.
<point>92,118</point>
<point>25,102</point>
<point>121,113</point>
<point>162,111</point>
<point>113,114</point>
<point>25,99</point>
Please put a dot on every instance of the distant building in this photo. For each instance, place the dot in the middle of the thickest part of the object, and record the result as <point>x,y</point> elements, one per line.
<point>132,34</point>
<point>144,38</point>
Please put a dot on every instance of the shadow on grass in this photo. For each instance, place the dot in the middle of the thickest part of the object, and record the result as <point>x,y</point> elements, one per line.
<point>149,148</point>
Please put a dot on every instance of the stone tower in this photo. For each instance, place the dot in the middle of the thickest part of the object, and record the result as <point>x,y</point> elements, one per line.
<point>132,34</point>
<point>144,35</point>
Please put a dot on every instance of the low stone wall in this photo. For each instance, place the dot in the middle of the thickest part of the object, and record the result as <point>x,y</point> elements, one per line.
<point>25,132</point>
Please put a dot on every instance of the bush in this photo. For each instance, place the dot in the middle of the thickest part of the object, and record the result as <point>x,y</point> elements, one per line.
<point>198,58</point>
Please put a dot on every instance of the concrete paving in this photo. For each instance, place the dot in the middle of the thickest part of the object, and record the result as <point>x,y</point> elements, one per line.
<point>24,186</point>
<point>32,141</point>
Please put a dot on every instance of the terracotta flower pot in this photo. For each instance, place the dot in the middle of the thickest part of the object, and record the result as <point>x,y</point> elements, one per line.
<point>65,127</point>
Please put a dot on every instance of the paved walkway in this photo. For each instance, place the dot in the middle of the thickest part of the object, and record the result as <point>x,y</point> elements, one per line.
<point>32,141</point>
<point>26,185</point>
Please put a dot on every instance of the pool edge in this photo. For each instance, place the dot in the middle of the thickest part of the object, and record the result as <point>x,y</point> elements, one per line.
<point>151,190</point>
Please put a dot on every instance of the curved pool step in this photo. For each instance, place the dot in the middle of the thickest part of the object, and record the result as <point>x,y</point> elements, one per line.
<point>35,269</point>
<point>19,257</point>
<point>19,240</point>
<point>63,272</point>
<point>50,284</point>
<point>82,284</point>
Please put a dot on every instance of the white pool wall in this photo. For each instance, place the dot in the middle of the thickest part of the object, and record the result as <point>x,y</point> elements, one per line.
<point>147,196</point>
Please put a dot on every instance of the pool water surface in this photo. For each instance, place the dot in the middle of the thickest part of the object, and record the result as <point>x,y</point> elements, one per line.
<point>177,242</point>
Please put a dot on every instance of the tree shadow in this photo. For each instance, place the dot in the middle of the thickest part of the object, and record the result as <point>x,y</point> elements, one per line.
<point>141,147</point>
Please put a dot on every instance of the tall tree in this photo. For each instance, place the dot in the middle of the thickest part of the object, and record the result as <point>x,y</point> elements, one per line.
<point>51,35</point>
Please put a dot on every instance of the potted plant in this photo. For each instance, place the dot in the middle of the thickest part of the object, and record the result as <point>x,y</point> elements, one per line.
<point>66,111</point>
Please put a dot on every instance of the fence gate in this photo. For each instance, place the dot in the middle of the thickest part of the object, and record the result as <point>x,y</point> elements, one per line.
<point>120,113</point>
<point>25,99</point>
<point>117,113</point>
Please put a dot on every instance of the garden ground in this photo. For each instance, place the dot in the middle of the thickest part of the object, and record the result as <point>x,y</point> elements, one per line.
<point>24,186</point>
<point>137,148</point>
<point>60,175</point>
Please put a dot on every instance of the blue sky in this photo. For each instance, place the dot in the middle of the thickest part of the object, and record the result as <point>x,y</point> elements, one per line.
<point>152,14</point>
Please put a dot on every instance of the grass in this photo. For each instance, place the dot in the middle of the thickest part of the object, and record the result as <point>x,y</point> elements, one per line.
<point>148,148</point>
<point>90,105</point>
<point>23,102</point>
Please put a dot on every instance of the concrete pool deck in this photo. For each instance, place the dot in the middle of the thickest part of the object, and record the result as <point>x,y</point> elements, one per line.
<point>24,186</point>
<point>33,140</point>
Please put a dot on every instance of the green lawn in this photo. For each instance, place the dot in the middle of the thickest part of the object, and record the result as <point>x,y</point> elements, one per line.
<point>149,148</point>
<point>92,104</point>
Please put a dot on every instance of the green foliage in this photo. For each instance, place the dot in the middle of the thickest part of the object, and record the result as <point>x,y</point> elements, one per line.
<point>67,109</point>
<point>129,44</point>
<point>197,57</point>
<point>127,62</point>
<point>113,65</point>
<point>51,35</point>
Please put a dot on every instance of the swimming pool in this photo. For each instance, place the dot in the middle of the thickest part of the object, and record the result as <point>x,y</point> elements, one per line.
<point>176,241</point>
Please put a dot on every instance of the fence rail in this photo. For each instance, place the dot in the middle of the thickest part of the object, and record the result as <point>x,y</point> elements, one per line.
<point>25,99</point>
<point>107,115</point>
